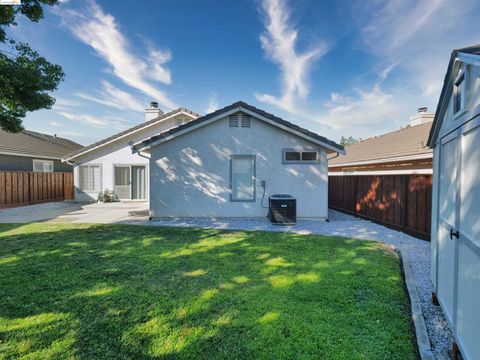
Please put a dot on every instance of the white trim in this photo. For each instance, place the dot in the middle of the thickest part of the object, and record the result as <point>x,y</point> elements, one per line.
<point>232,111</point>
<point>382,172</point>
<point>468,58</point>
<point>386,160</point>
<point>129,133</point>
<point>30,155</point>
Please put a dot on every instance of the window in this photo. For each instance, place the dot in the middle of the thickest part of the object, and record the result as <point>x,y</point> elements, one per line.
<point>300,156</point>
<point>459,93</point>
<point>42,165</point>
<point>242,178</point>
<point>90,178</point>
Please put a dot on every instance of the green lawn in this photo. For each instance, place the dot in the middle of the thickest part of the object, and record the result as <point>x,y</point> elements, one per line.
<point>112,291</point>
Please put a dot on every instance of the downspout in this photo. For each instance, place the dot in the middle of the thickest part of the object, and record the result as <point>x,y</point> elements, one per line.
<point>334,157</point>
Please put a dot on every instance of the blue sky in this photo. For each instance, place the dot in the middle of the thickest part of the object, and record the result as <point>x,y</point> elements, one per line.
<point>356,68</point>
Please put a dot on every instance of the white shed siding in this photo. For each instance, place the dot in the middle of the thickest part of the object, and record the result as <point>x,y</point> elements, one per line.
<point>190,175</point>
<point>118,153</point>
<point>455,207</point>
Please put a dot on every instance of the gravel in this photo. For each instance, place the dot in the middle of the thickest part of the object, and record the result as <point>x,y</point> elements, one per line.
<point>412,249</point>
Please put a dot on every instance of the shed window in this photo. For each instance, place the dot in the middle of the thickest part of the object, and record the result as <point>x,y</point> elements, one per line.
<point>458,94</point>
<point>242,178</point>
<point>42,165</point>
<point>90,178</point>
<point>300,156</point>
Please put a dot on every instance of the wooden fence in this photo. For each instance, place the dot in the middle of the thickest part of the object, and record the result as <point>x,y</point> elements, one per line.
<point>23,188</point>
<point>400,201</point>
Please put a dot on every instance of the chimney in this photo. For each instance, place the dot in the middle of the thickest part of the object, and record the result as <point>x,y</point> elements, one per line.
<point>421,117</point>
<point>153,112</point>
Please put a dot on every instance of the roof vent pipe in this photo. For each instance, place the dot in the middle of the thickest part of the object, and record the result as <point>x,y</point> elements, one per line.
<point>154,104</point>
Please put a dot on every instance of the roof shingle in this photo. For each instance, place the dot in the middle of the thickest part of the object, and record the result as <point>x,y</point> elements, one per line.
<point>404,142</point>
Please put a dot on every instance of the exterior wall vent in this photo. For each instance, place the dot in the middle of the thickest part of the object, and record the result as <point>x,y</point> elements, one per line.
<point>233,120</point>
<point>246,120</point>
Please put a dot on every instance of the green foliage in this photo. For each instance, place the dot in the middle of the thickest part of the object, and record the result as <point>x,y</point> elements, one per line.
<point>118,292</point>
<point>348,141</point>
<point>26,78</point>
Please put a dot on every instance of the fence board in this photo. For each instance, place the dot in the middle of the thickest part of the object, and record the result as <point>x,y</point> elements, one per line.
<point>400,201</point>
<point>23,188</point>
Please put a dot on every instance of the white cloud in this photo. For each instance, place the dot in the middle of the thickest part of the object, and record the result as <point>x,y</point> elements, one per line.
<point>84,118</point>
<point>212,104</point>
<point>100,30</point>
<point>365,109</point>
<point>112,96</point>
<point>279,43</point>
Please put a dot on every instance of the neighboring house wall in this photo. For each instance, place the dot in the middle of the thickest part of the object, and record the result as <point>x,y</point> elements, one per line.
<point>25,163</point>
<point>117,153</point>
<point>190,174</point>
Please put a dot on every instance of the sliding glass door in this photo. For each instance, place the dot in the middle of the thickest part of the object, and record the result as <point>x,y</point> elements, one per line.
<point>138,183</point>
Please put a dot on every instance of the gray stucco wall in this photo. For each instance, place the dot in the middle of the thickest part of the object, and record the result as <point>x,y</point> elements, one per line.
<point>24,163</point>
<point>190,175</point>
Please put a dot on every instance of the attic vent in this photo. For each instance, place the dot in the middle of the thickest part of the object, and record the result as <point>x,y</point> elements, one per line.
<point>246,119</point>
<point>233,120</point>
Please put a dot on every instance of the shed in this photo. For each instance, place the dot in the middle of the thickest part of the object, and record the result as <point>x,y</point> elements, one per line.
<point>455,139</point>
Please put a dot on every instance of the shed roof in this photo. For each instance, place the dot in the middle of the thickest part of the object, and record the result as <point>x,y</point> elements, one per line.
<point>447,89</point>
<point>405,142</point>
<point>238,106</point>
<point>32,143</point>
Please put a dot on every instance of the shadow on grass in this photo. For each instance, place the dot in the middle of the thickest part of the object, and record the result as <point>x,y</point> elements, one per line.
<point>111,291</point>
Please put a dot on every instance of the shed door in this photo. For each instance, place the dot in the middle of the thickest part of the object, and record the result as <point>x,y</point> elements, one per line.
<point>448,189</point>
<point>468,287</point>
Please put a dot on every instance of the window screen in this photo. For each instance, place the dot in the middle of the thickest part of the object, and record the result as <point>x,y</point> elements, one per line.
<point>458,94</point>
<point>300,156</point>
<point>42,165</point>
<point>242,178</point>
<point>90,178</point>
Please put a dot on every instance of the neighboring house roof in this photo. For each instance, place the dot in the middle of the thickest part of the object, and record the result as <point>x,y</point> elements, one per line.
<point>127,132</point>
<point>235,107</point>
<point>393,146</point>
<point>34,144</point>
<point>469,55</point>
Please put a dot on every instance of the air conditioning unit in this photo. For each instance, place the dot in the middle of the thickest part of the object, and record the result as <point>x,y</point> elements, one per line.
<point>282,209</point>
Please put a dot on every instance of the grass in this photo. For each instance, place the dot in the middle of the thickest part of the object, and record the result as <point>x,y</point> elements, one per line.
<point>112,291</point>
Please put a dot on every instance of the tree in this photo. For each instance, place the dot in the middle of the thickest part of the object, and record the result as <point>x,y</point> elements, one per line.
<point>26,78</point>
<point>348,141</point>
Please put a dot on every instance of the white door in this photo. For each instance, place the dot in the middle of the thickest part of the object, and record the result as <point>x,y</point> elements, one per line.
<point>122,182</point>
<point>447,205</point>
<point>468,276</point>
<point>138,183</point>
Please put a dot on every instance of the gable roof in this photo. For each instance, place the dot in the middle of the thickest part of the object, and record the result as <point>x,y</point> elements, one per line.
<point>467,54</point>
<point>34,144</point>
<point>408,142</point>
<point>235,107</point>
<point>129,131</point>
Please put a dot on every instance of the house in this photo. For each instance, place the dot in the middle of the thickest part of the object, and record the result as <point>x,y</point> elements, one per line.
<point>109,163</point>
<point>455,139</point>
<point>403,151</point>
<point>33,151</point>
<point>228,162</point>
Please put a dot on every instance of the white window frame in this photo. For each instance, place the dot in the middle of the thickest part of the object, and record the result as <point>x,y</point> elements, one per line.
<point>90,189</point>
<point>460,84</point>
<point>43,163</point>
<point>254,169</point>
<point>300,151</point>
